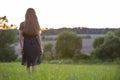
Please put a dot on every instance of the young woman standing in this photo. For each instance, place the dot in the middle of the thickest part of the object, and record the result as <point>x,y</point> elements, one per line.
<point>30,40</point>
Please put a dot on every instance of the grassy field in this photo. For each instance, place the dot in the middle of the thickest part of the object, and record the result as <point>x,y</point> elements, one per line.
<point>45,71</point>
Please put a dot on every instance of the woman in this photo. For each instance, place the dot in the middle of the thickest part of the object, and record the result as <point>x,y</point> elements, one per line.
<point>30,41</point>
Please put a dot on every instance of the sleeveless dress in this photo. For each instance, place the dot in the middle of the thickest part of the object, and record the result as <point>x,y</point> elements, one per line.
<point>32,50</point>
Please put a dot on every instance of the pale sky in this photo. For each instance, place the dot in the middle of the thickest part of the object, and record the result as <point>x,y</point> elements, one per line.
<point>65,13</point>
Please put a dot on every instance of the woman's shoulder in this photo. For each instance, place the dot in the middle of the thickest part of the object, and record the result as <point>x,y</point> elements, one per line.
<point>21,26</point>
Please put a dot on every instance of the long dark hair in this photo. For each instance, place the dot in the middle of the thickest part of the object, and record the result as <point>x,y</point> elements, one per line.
<point>31,24</point>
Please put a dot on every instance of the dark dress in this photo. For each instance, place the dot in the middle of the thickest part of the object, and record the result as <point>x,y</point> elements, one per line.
<point>32,51</point>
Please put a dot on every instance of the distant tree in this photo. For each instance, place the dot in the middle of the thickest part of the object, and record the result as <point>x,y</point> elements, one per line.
<point>117,32</point>
<point>68,44</point>
<point>98,41</point>
<point>4,24</point>
<point>8,36</point>
<point>48,48</point>
<point>110,50</point>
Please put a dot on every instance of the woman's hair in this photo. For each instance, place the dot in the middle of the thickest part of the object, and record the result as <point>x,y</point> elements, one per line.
<point>31,25</point>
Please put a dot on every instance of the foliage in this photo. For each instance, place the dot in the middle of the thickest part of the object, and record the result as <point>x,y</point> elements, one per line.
<point>98,41</point>
<point>68,44</point>
<point>7,54</point>
<point>110,48</point>
<point>78,30</point>
<point>48,48</point>
<point>8,37</point>
<point>4,24</point>
<point>78,57</point>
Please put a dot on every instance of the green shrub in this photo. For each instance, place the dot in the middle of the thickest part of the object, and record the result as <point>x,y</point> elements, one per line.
<point>68,44</point>
<point>7,41</point>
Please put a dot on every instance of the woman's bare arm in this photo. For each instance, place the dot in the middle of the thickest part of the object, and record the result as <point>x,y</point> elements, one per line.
<point>40,43</point>
<point>21,39</point>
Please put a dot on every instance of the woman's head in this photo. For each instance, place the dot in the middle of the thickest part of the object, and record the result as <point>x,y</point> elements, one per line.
<point>30,13</point>
<point>31,23</point>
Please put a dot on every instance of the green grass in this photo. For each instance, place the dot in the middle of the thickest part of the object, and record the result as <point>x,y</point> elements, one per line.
<point>45,71</point>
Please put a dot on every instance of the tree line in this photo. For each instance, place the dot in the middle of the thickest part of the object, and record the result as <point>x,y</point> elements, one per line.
<point>78,30</point>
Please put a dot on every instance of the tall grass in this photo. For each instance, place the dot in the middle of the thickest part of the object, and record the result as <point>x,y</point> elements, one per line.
<point>15,71</point>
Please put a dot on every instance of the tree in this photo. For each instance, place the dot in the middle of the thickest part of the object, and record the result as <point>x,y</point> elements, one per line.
<point>8,36</point>
<point>98,41</point>
<point>4,24</point>
<point>110,48</point>
<point>68,44</point>
<point>48,48</point>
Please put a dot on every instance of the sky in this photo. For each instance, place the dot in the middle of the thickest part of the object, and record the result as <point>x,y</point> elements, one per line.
<point>65,13</point>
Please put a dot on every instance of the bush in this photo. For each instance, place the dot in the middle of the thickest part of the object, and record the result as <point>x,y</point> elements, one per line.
<point>68,44</point>
<point>7,54</point>
<point>78,57</point>
<point>7,41</point>
<point>98,41</point>
<point>109,50</point>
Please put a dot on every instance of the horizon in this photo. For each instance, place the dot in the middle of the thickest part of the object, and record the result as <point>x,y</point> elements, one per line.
<point>79,27</point>
<point>63,13</point>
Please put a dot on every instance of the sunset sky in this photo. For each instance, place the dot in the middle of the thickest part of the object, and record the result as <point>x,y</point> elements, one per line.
<point>65,13</point>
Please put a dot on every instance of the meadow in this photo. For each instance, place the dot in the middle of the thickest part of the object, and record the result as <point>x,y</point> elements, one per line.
<point>46,71</point>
